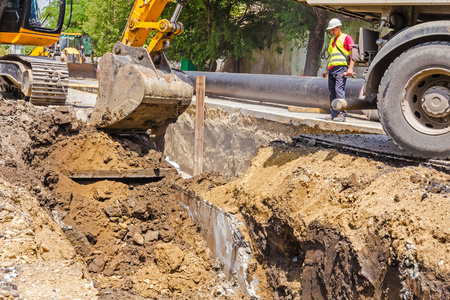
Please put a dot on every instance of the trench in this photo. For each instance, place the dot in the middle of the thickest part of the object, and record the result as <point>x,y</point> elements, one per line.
<point>301,261</point>
<point>281,220</point>
<point>261,250</point>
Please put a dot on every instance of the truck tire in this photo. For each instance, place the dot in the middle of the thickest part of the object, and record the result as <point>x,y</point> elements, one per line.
<point>414,100</point>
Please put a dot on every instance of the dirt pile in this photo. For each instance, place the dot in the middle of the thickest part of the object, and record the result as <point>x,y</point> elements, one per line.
<point>327,225</point>
<point>133,239</point>
<point>36,260</point>
<point>322,224</point>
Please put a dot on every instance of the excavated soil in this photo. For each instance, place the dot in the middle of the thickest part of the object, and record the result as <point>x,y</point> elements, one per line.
<point>327,225</point>
<point>321,224</point>
<point>122,240</point>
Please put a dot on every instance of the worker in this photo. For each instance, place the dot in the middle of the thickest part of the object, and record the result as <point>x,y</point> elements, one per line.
<point>340,65</point>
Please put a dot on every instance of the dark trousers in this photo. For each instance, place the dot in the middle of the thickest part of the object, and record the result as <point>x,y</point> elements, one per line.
<point>336,86</point>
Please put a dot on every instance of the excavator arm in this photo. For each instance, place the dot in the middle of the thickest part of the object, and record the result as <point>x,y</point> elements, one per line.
<point>144,18</point>
<point>138,90</point>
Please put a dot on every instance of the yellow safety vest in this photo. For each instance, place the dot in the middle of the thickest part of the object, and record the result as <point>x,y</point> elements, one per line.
<point>336,57</point>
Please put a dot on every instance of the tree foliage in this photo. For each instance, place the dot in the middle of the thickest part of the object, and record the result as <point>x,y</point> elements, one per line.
<point>106,21</point>
<point>72,23</point>
<point>221,29</point>
<point>79,17</point>
<point>214,29</point>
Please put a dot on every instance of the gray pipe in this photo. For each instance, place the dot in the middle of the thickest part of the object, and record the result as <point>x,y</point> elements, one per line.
<point>276,89</point>
<point>348,104</point>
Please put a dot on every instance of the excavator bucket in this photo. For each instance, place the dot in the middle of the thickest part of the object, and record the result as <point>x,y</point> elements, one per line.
<point>136,94</point>
<point>84,70</point>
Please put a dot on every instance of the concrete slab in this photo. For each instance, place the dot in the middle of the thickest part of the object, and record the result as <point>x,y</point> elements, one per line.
<point>355,123</point>
<point>222,235</point>
<point>79,98</point>
<point>235,130</point>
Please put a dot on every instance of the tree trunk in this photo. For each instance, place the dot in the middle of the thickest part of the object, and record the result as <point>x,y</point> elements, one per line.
<point>208,16</point>
<point>315,43</point>
<point>212,66</point>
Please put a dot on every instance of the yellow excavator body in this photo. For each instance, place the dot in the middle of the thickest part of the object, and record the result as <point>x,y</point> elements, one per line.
<point>39,79</point>
<point>28,37</point>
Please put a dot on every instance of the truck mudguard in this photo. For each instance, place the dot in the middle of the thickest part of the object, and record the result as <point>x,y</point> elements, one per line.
<point>399,43</point>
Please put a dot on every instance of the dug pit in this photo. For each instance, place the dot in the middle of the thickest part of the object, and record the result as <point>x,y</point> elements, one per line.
<point>133,240</point>
<point>318,223</point>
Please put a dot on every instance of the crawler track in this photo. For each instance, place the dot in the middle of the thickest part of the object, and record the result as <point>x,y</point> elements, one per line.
<point>48,79</point>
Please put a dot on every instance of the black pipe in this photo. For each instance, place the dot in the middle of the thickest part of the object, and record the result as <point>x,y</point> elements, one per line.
<point>276,89</point>
<point>352,104</point>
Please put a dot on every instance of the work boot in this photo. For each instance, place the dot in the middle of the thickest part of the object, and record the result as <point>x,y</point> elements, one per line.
<point>340,118</point>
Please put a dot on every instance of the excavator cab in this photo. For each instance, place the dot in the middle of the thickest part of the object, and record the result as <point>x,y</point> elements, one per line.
<point>24,22</point>
<point>40,79</point>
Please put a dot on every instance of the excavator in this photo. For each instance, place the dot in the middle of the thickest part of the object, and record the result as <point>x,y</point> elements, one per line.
<point>407,79</point>
<point>138,90</point>
<point>41,80</point>
<point>74,49</point>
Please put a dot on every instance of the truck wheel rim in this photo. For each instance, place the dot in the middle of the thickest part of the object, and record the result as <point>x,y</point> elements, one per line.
<point>426,101</point>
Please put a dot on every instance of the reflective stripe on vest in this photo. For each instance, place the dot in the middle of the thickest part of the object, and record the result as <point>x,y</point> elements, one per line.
<point>336,57</point>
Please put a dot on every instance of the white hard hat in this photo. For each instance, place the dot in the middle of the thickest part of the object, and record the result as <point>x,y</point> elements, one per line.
<point>334,23</point>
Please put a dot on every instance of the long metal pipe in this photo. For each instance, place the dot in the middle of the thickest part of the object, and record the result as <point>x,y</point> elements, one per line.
<point>276,89</point>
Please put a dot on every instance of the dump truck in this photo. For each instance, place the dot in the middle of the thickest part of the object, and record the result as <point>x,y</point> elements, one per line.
<point>408,73</point>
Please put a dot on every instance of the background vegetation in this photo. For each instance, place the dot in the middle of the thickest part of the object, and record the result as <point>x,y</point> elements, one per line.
<point>214,29</point>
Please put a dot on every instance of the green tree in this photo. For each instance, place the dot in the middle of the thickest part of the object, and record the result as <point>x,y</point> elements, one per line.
<point>215,29</point>
<point>106,21</point>
<point>222,29</point>
<point>79,10</point>
<point>233,29</point>
<point>72,23</point>
<point>305,26</point>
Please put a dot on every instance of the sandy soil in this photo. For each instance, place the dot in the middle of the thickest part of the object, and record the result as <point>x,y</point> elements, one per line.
<point>326,225</point>
<point>36,259</point>
<point>321,224</point>
<point>104,239</point>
